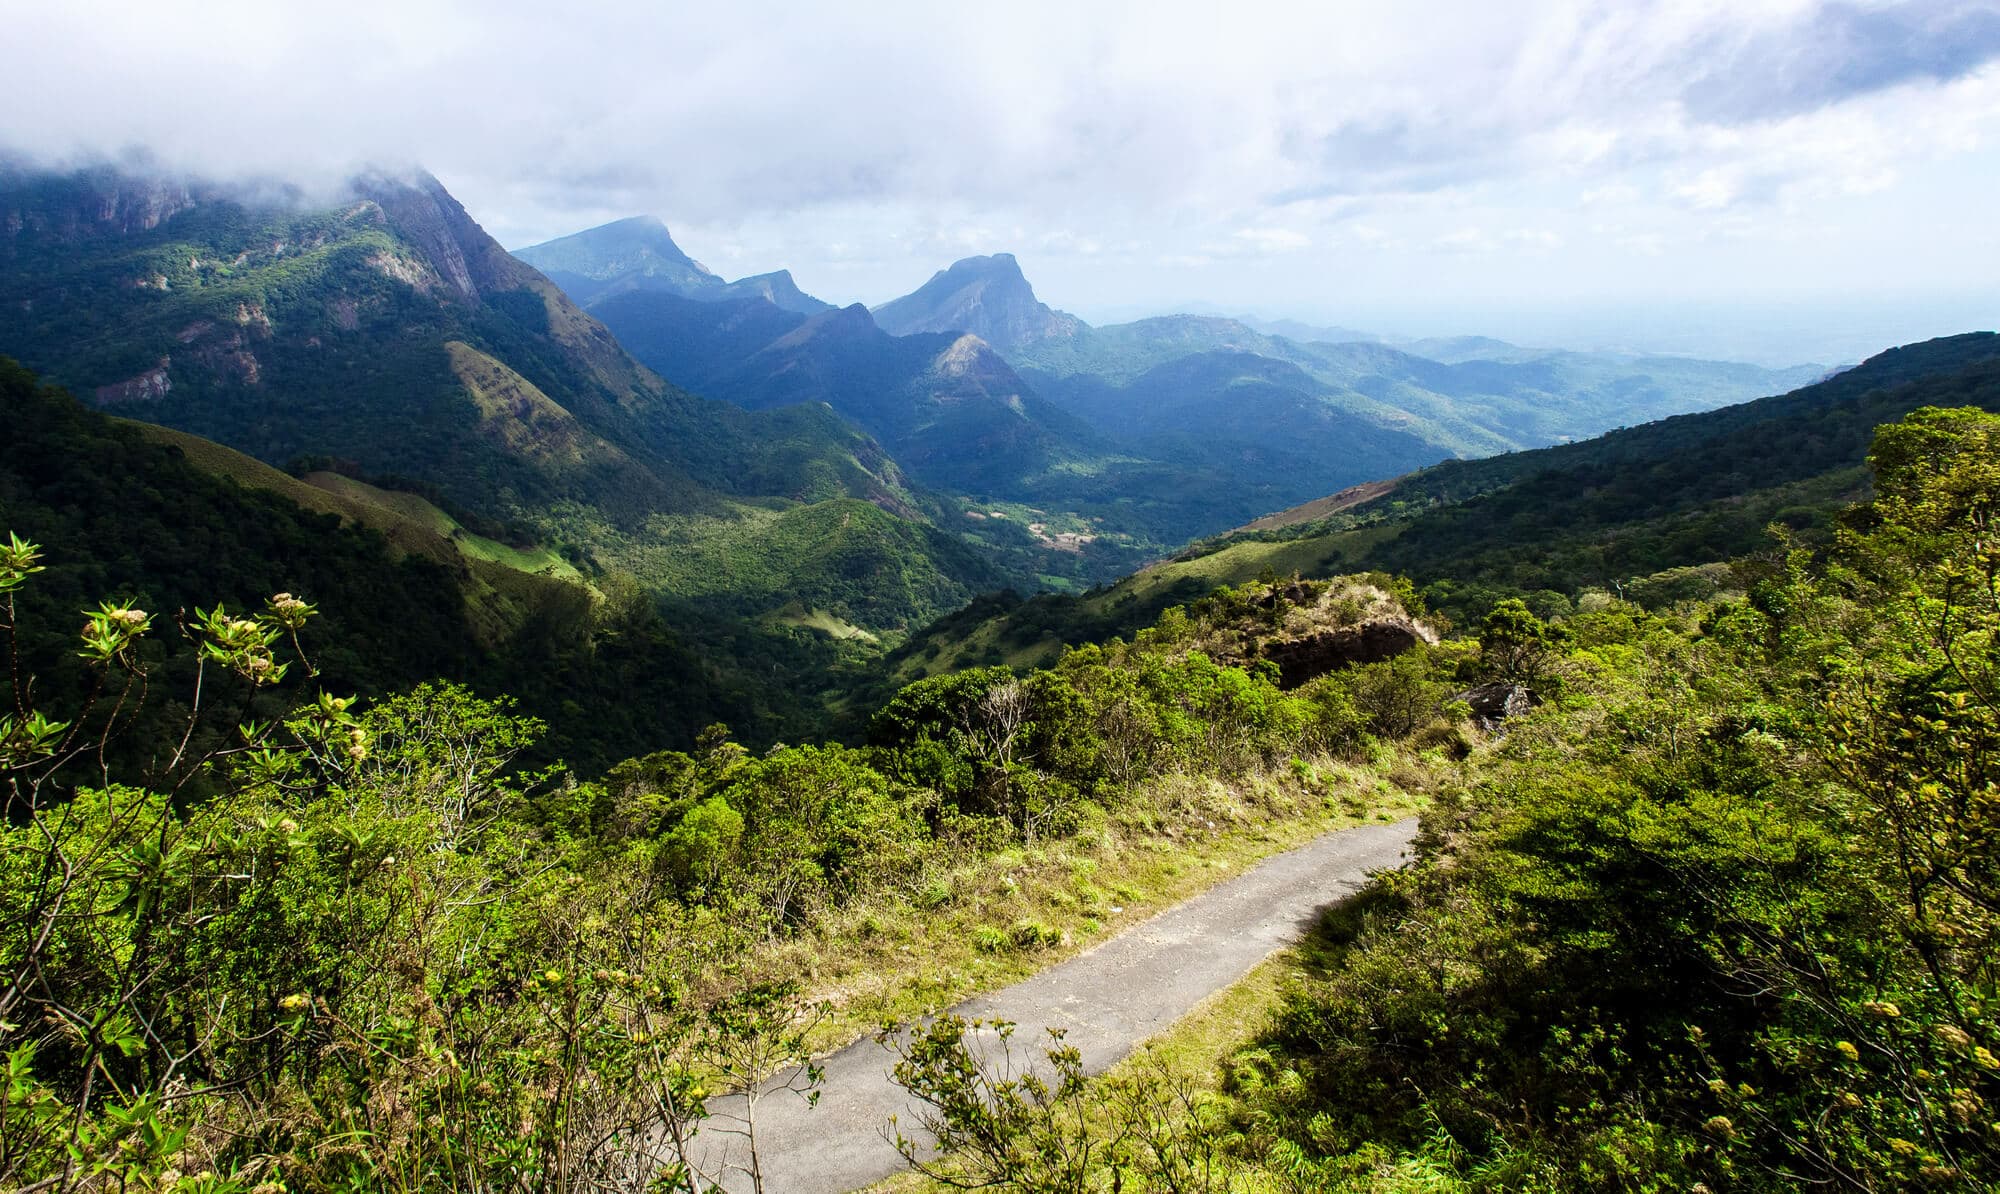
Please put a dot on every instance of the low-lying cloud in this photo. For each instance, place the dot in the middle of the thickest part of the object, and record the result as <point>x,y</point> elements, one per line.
<point>769,132</point>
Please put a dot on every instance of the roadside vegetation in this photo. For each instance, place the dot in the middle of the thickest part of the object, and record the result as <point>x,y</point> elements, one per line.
<point>255,941</point>
<point>1719,914</point>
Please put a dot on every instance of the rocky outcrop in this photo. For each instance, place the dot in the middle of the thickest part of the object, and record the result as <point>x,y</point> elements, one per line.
<point>640,254</point>
<point>1493,704</point>
<point>777,289</point>
<point>1302,659</point>
<point>986,296</point>
<point>95,202</point>
<point>149,386</point>
<point>1307,628</point>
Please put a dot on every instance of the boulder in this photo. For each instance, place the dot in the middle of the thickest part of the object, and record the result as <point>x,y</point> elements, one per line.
<point>1494,703</point>
<point>1306,657</point>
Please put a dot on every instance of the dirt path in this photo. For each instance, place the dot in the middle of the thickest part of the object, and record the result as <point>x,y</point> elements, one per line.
<point>1108,1000</point>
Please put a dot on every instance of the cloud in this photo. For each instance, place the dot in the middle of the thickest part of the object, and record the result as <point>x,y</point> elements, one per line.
<point>1834,52</point>
<point>864,146</point>
<point>1273,240</point>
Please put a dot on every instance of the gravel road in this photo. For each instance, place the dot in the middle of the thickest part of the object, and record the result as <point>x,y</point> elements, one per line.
<point>1108,1000</point>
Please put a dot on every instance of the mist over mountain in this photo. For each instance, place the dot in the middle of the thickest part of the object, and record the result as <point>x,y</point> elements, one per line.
<point>391,339</point>
<point>1424,617</point>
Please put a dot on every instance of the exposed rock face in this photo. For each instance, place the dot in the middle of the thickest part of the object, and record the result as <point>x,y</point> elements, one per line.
<point>640,247</point>
<point>425,214</point>
<point>777,289</point>
<point>96,202</point>
<point>986,296</point>
<point>640,254</point>
<point>150,385</point>
<point>1494,703</point>
<point>1311,627</point>
<point>1302,659</point>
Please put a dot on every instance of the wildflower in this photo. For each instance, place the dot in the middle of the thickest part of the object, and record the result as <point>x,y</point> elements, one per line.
<point>295,1003</point>
<point>133,618</point>
<point>1902,1146</point>
<point>1984,1059</point>
<point>1718,1086</point>
<point>1848,1050</point>
<point>553,976</point>
<point>1882,1008</point>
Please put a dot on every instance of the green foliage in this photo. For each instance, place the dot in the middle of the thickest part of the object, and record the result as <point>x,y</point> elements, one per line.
<point>1724,915</point>
<point>1682,492</point>
<point>1036,1123</point>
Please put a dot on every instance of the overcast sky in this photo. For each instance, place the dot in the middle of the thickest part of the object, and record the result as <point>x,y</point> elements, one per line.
<point>1778,181</point>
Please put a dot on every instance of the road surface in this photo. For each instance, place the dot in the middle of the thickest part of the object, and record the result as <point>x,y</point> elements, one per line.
<point>1107,1000</point>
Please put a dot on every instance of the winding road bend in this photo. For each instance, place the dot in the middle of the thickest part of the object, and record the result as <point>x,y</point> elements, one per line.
<point>1108,1000</point>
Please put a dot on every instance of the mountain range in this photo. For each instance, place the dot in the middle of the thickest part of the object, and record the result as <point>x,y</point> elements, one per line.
<point>1135,437</point>
<point>1674,509</point>
<point>640,254</point>
<point>782,479</point>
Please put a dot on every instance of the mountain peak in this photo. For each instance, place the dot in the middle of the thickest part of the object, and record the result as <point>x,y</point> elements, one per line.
<point>987,296</point>
<point>834,323</point>
<point>636,245</point>
<point>638,253</point>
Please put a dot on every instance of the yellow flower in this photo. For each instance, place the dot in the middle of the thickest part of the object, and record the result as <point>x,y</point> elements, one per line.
<point>1848,1050</point>
<point>1902,1146</point>
<point>1883,1008</point>
<point>295,1003</point>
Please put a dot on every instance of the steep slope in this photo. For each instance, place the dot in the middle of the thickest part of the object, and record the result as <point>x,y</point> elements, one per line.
<point>986,296</point>
<point>948,408</point>
<point>639,254</point>
<point>172,522</point>
<point>391,335</point>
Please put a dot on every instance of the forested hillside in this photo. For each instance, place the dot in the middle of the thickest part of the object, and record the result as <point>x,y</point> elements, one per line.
<point>172,525</point>
<point>1705,901</point>
<point>1653,513</point>
<point>1719,914</point>
<point>390,336</point>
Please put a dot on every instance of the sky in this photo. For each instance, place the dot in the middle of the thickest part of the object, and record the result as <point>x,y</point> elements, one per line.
<point>1771,180</point>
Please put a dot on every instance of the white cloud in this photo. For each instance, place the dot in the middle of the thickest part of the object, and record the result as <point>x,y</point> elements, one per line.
<point>867,145</point>
<point>1273,240</point>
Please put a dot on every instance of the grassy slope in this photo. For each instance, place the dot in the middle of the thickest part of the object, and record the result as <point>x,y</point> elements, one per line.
<point>916,953</point>
<point>503,586</point>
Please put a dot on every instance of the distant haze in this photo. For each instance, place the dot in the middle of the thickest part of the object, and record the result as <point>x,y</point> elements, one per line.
<point>1776,181</point>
